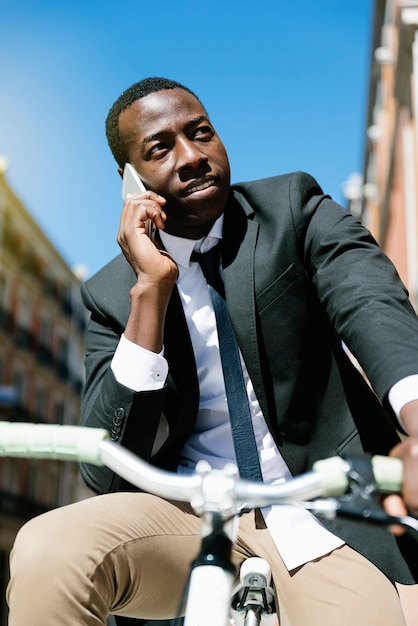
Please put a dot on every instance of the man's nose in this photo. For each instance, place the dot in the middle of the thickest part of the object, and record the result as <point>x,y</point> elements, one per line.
<point>189,155</point>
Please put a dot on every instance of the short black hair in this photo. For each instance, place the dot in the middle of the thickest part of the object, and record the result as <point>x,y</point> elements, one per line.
<point>129,96</point>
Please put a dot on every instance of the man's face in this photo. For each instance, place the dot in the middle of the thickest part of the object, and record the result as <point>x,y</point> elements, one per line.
<point>177,153</point>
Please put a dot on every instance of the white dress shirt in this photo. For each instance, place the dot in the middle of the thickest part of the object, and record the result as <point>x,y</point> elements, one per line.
<point>298,535</point>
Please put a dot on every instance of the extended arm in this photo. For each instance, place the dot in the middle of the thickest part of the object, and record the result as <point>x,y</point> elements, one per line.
<point>369,307</point>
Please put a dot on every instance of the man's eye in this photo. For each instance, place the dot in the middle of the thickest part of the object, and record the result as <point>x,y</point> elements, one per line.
<point>157,148</point>
<point>204,132</point>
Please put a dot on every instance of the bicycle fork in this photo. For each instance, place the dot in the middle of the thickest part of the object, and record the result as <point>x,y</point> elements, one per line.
<point>212,575</point>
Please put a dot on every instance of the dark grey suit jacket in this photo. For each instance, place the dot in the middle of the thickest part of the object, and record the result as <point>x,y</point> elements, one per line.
<point>300,276</point>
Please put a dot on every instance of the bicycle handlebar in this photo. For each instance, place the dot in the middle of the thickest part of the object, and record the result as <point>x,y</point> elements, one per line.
<point>92,445</point>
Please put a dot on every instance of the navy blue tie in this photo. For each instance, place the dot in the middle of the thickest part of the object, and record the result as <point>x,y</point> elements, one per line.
<point>236,394</point>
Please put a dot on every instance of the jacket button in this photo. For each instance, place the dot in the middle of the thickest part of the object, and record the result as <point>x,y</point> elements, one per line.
<point>118,418</point>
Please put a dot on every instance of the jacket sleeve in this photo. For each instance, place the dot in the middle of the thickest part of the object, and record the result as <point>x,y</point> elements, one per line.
<point>132,418</point>
<point>358,285</point>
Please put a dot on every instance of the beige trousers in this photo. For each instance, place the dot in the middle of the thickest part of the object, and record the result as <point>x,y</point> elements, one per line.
<point>129,554</point>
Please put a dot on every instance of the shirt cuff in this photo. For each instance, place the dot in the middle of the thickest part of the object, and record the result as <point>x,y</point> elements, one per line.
<point>402,392</point>
<point>138,368</point>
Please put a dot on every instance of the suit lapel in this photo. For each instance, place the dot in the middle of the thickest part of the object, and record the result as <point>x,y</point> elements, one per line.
<point>239,241</point>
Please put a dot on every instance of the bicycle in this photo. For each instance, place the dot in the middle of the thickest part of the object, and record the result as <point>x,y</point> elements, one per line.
<point>334,486</point>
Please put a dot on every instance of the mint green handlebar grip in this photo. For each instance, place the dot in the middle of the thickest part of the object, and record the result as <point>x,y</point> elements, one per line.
<point>51,441</point>
<point>334,481</point>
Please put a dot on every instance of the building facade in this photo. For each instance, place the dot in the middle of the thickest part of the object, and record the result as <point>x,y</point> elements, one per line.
<point>42,323</point>
<point>385,197</point>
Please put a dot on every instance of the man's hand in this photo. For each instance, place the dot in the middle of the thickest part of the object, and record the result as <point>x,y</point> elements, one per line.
<point>148,262</point>
<point>407,451</point>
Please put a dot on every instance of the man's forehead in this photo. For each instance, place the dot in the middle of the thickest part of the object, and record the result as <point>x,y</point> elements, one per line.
<point>164,104</point>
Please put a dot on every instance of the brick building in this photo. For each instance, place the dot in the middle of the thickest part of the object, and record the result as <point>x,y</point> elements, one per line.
<point>385,196</point>
<point>42,323</point>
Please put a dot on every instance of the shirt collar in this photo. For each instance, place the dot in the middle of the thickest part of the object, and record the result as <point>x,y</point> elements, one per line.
<point>180,248</point>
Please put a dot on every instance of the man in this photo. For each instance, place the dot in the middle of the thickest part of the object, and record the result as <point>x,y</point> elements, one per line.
<point>301,277</point>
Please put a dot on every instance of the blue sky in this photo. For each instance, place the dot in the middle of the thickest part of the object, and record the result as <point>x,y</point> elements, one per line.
<point>285,83</point>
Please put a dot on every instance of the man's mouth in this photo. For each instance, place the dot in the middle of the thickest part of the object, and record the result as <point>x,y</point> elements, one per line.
<point>199,187</point>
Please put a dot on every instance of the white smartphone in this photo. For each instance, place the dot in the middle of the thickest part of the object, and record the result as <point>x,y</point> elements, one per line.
<point>132,184</point>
